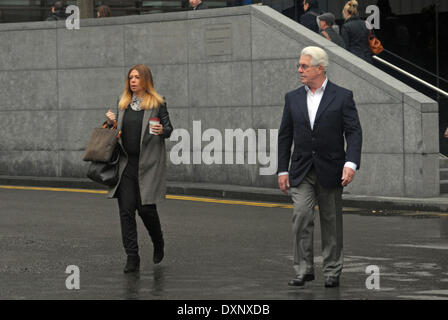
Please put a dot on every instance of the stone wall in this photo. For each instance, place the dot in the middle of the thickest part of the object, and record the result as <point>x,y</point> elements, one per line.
<point>227,68</point>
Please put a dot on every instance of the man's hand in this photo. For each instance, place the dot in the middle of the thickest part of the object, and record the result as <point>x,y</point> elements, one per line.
<point>347,176</point>
<point>283,183</point>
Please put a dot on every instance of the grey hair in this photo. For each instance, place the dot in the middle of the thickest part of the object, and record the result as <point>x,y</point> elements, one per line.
<point>318,56</point>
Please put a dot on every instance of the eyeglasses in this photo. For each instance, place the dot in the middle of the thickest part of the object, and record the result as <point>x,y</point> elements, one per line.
<point>303,66</point>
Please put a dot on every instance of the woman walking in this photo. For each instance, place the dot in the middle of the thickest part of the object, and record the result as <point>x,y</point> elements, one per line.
<point>355,33</point>
<point>142,165</point>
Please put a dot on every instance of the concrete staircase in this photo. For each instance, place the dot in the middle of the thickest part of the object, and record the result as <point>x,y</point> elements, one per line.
<point>443,165</point>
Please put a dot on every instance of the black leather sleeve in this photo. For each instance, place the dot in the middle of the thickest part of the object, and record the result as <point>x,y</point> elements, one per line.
<point>165,121</point>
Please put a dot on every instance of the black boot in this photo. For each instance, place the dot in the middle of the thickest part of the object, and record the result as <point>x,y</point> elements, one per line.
<point>132,263</point>
<point>158,251</point>
<point>151,220</point>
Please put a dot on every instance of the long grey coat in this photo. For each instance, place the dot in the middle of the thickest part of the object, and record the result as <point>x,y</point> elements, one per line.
<point>152,161</point>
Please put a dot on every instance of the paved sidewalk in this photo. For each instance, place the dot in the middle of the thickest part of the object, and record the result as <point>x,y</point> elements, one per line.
<point>438,204</point>
<point>214,250</point>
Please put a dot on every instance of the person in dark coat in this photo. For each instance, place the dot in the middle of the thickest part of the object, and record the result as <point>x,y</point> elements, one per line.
<point>320,118</point>
<point>198,5</point>
<point>57,12</point>
<point>326,22</point>
<point>103,12</point>
<point>309,18</point>
<point>355,33</point>
<point>142,164</point>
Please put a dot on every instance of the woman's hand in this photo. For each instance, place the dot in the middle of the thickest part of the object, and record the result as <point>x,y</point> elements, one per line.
<point>110,117</point>
<point>157,129</point>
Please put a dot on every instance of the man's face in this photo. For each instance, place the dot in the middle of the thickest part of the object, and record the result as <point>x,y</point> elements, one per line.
<point>305,6</point>
<point>194,3</point>
<point>308,72</point>
<point>323,25</point>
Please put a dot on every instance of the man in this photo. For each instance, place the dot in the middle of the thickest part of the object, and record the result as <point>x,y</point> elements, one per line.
<point>198,5</point>
<point>57,12</point>
<point>309,18</point>
<point>316,118</point>
<point>326,23</point>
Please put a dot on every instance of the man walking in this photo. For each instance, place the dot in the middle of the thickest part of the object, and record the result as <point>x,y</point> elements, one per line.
<point>57,12</point>
<point>317,117</point>
<point>309,18</point>
<point>326,25</point>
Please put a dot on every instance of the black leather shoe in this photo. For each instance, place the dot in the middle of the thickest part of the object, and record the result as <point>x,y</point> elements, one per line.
<point>331,282</point>
<point>159,252</point>
<point>301,279</point>
<point>132,264</point>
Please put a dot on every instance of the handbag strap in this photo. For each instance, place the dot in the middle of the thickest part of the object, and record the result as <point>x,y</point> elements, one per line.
<point>116,121</point>
<point>114,125</point>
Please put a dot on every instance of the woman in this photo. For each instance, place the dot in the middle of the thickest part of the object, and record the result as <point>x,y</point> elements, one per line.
<point>142,165</point>
<point>103,12</point>
<point>355,33</point>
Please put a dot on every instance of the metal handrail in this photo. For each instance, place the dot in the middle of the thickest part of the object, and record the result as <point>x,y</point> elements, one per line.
<point>415,66</point>
<point>444,93</point>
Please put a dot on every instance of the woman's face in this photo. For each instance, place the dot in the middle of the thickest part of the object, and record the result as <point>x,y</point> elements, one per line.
<point>134,82</point>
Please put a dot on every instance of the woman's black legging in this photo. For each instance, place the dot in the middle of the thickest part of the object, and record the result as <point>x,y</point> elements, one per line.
<point>129,201</point>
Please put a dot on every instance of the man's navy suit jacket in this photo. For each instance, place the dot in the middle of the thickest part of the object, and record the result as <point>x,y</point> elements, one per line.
<point>322,146</point>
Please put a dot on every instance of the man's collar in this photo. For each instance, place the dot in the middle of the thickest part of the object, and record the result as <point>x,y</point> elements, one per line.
<point>322,88</point>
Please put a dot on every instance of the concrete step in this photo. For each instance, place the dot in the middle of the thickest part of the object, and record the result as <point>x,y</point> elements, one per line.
<point>443,186</point>
<point>443,163</point>
<point>444,174</point>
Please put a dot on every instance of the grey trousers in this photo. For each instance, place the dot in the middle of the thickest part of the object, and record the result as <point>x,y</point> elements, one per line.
<point>305,197</point>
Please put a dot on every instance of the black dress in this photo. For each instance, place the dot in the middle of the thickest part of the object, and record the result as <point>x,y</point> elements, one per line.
<point>131,132</point>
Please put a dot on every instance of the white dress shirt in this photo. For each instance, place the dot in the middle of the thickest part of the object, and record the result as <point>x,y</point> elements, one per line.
<point>313,101</point>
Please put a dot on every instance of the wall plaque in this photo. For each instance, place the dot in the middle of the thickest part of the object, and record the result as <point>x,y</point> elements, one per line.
<point>218,40</point>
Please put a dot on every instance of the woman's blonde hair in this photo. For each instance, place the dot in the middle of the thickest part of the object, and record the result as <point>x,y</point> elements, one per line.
<point>151,98</point>
<point>351,8</point>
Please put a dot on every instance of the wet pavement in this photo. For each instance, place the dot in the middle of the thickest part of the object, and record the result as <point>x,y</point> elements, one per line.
<point>213,251</point>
